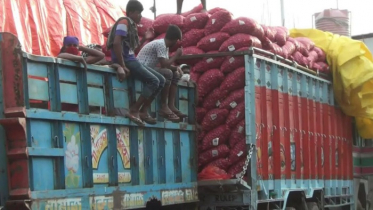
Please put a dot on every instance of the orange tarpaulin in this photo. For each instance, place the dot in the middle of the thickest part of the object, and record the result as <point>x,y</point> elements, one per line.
<point>40,25</point>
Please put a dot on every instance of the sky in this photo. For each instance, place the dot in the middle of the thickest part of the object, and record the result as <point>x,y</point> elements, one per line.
<point>298,13</point>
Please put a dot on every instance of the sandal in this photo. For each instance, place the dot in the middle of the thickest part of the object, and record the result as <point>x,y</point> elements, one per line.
<point>170,116</point>
<point>148,119</point>
<point>180,114</point>
<point>135,120</point>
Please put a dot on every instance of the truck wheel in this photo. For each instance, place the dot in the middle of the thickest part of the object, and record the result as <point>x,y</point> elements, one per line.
<point>312,206</point>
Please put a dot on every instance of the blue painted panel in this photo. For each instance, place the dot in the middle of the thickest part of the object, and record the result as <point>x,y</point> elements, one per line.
<point>37,69</point>
<point>41,139</point>
<point>185,149</point>
<point>120,99</point>
<point>42,175</point>
<point>96,96</point>
<point>69,93</point>
<point>94,78</point>
<point>38,89</point>
<point>66,73</point>
<point>100,159</point>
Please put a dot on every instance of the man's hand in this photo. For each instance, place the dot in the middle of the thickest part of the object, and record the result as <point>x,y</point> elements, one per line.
<point>121,74</point>
<point>179,71</point>
<point>149,34</point>
<point>84,63</point>
<point>179,52</point>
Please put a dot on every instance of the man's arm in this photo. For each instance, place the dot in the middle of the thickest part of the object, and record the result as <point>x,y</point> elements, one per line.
<point>93,55</point>
<point>118,50</point>
<point>166,63</point>
<point>71,57</point>
<point>179,6</point>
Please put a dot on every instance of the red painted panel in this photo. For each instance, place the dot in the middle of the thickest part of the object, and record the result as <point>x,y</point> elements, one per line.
<point>306,137</point>
<point>259,129</point>
<point>278,148</point>
<point>327,140</point>
<point>297,135</point>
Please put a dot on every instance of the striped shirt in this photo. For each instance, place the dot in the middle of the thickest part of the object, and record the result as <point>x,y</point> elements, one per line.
<point>127,53</point>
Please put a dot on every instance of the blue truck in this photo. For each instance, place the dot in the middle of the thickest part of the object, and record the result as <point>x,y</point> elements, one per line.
<point>90,159</point>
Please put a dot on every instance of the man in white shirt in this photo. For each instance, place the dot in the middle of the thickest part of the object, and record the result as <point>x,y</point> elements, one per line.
<point>155,56</point>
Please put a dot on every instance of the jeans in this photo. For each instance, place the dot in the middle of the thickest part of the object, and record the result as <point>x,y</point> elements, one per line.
<point>172,77</point>
<point>153,81</point>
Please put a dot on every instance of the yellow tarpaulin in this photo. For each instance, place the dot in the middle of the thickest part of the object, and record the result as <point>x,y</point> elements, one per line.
<point>352,66</point>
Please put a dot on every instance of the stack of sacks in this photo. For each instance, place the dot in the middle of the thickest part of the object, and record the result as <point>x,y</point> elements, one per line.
<point>217,31</point>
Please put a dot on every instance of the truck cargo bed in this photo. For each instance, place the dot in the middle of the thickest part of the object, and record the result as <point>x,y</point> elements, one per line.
<point>303,142</point>
<point>88,158</point>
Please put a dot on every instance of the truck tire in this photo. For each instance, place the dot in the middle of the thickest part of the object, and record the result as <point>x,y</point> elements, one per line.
<point>312,206</point>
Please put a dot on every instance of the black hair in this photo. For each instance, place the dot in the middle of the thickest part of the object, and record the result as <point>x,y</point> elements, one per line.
<point>134,6</point>
<point>173,33</point>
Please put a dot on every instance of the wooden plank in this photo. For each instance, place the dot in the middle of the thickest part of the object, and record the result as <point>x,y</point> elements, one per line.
<point>37,69</point>
<point>38,89</point>
<point>69,93</point>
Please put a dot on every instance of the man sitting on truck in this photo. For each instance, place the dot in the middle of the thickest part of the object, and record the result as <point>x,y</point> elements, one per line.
<point>155,56</point>
<point>71,51</point>
<point>122,41</point>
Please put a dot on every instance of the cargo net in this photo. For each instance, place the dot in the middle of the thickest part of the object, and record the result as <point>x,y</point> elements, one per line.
<point>234,208</point>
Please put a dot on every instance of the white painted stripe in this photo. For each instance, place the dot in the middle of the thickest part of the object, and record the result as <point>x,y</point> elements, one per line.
<point>122,27</point>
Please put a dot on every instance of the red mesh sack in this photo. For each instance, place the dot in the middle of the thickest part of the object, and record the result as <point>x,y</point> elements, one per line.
<point>234,80</point>
<point>208,81</point>
<point>244,25</point>
<point>222,163</point>
<point>217,21</point>
<point>239,41</point>
<point>324,67</point>
<point>213,173</point>
<point>320,53</point>
<point>277,50</point>
<point>196,9</point>
<point>268,32</point>
<point>288,49</point>
<point>238,151</point>
<point>195,21</point>
<point>213,41</point>
<point>194,76</point>
<point>162,22</point>
<point>139,48</point>
<point>233,62</point>
<point>281,35</point>
<point>220,151</point>
<point>214,99</point>
<point>312,56</point>
<point>215,10</point>
<point>200,136</point>
<point>192,50</point>
<point>214,118</point>
<point>208,63</point>
<point>236,168</point>
<point>192,37</point>
<point>308,44</point>
<point>216,137</point>
<point>295,42</point>
<point>300,59</point>
<point>144,25</point>
<point>161,36</point>
<point>233,99</point>
<point>200,113</point>
<point>237,134</point>
<point>236,115</point>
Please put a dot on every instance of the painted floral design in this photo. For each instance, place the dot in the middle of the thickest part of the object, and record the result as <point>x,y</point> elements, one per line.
<point>72,155</point>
